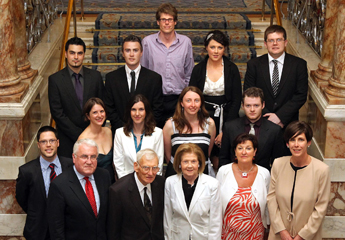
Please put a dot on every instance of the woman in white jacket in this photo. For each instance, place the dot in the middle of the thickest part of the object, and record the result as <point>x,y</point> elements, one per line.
<point>243,187</point>
<point>139,132</point>
<point>192,199</point>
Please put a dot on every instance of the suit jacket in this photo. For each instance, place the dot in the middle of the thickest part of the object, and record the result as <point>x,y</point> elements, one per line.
<point>232,84</point>
<point>69,212</point>
<point>292,90</point>
<point>204,218</point>
<point>125,154</point>
<point>31,196</point>
<point>270,143</point>
<point>65,107</point>
<point>127,219</point>
<point>311,196</point>
<point>228,188</point>
<point>117,94</point>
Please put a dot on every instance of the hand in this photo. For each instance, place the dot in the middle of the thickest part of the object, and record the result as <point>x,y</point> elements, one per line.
<point>298,238</point>
<point>285,235</point>
<point>218,140</point>
<point>274,118</point>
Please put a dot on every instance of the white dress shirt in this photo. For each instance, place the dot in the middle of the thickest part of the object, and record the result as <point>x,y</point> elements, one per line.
<point>141,189</point>
<point>280,65</point>
<point>129,77</point>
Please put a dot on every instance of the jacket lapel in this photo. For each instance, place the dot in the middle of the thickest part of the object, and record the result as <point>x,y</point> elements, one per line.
<point>40,178</point>
<point>180,196</point>
<point>265,71</point>
<point>136,199</point>
<point>87,85</point>
<point>101,191</point>
<point>263,134</point>
<point>69,88</point>
<point>199,189</point>
<point>78,190</point>
<point>285,73</point>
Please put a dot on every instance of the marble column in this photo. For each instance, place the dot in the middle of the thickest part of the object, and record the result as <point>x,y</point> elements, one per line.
<point>11,88</point>
<point>24,67</point>
<point>324,71</point>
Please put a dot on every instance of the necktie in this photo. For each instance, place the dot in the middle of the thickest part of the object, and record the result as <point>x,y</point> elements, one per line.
<point>147,204</point>
<point>90,195</point>
<point>252,130</point>
<point>275,77</point>
<point>52,172</point>
<point>78,89</point>
<point>132,83</point>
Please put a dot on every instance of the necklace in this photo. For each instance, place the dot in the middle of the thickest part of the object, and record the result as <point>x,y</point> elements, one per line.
<point>244,174</point>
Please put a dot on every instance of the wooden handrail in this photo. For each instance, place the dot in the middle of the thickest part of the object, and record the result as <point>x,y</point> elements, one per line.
<point>278,15</point>
<point>274,4</point>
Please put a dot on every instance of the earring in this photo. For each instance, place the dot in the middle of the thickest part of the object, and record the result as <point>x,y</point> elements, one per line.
<point>179,166</point>
<point>287,146</point>
<point>308,146</point>
<point>182,109</point>
<point>198,165</point>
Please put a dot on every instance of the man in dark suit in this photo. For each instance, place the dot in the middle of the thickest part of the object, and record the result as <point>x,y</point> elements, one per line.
<point>68,91</point>
<point>33,183</point>
<point>282,77</point>
<point>270,139</point>
<point>78,198</point>
<point>129,80</point>
<point>136,202</point>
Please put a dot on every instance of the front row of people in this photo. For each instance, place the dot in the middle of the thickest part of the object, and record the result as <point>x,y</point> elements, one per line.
<point>82,205</point>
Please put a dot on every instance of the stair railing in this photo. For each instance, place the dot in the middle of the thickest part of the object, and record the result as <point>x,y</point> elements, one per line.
<point>274,5</point>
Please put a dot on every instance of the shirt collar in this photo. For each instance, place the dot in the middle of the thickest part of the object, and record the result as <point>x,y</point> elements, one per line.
<point>280,59</point>
<point>45,164</point>
<point>80,176</point>
<point>137,70</point>
<point>177,38</point>
<point>257,123</point>
<point>140,185</point>
<point>71,72</point>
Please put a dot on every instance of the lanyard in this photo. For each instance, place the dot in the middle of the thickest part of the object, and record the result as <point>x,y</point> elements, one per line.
<point>137,148</point>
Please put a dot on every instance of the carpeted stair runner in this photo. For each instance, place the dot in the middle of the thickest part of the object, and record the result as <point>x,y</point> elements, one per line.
<point>112,28</point>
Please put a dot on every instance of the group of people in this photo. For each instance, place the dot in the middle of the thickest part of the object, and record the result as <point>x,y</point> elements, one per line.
<point>227,177</point>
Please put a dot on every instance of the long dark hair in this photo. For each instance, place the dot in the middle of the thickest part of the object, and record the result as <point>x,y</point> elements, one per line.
<point>179,118</point>
<point>149,121</point>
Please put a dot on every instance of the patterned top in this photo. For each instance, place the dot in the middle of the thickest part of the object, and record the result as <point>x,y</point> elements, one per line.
<point>242,218</point>
<point>201,139</point>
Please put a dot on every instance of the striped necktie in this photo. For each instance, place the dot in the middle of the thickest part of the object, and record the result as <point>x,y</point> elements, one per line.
<point>275,77</point>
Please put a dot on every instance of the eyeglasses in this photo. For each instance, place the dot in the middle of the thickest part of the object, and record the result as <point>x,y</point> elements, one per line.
<point>86,157</point>
<point>169,20</point>
<point>146,169</point>
<point>45,142</point>
<point>278,40</point>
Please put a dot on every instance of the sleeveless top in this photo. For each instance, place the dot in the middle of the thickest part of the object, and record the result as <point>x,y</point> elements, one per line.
<point>214,88</point>
<point>201,139</point>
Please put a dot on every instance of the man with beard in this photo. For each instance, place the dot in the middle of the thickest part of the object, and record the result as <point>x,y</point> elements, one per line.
<point>68,91</point>
<point>34,180</point>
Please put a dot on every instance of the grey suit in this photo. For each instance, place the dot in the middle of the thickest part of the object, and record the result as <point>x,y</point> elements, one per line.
<point>271,144</point>
<point>65,107</point>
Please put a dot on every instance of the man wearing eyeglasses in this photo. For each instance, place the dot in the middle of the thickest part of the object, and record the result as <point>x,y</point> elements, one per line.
<point>78,198</point>
<point>34,180</point>
<point>136,202</point>
<point>282,77</point>
<point>171,55</point>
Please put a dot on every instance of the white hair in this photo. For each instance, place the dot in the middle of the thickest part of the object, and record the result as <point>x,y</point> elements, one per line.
<point>85,141</point>
<point>148,153</point>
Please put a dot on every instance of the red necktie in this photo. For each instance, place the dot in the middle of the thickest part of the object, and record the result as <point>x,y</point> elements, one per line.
<point>52,172</point>
<point>90,195</point>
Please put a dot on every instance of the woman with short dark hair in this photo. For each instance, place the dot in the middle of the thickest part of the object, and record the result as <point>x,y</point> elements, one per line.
<point>299,190</point>
<point>139,132</point>
<point>243,189</point>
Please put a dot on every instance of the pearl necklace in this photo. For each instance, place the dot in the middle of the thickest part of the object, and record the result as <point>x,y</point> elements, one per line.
<point>244,174</point>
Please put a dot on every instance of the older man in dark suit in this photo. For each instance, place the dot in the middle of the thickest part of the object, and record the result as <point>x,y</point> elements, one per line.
<point>78,198</point>
<point>282,77</point>
<point>68,91</point>
<point>136,202</point>
<point>33,183</point>
<point>129,80</point>
<point>270,139</point>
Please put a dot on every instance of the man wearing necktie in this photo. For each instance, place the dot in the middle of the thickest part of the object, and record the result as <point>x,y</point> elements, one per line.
<point>132,79</point>
<point>282,77</point>
<point>136,202</point>
<point>269,135</point>
<point>78,198</point>
<point>68,91</point>
<point>33,183</point>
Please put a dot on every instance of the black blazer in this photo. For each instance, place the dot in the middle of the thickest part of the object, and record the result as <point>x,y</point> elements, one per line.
<point>232,84</point>
<point>292,90</point>
<point>69,212</point>
<point>65,107</point>
<point>270,142</point>
<point>117,94</point>
<point>31,196</point>
<point>127,219</point>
